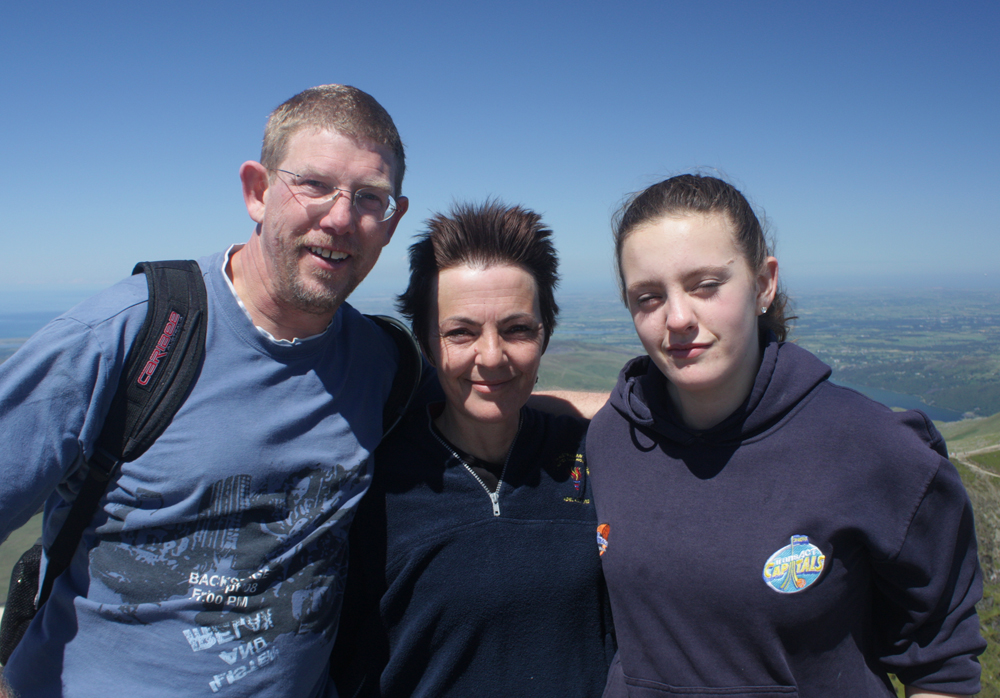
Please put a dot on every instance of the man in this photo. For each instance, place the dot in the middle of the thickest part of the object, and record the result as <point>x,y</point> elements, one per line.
<point>215,562</point>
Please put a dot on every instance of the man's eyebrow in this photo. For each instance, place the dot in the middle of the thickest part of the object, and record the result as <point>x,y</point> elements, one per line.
<point>366,182</point>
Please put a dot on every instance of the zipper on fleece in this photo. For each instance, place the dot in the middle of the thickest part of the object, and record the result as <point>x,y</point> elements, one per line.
<point>494,496</point>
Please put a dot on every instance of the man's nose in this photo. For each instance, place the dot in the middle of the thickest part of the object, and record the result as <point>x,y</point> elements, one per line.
<point>340,216</point>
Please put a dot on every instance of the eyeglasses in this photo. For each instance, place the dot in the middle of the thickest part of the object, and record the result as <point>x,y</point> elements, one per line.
<point>371,203</point>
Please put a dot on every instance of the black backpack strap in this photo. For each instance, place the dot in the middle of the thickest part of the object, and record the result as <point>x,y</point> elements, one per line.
<point>158,373</point>
<point>407,380</point>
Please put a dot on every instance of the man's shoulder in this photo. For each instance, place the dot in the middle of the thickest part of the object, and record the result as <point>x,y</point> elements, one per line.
<point>364,333</point>
<point>128,296</point>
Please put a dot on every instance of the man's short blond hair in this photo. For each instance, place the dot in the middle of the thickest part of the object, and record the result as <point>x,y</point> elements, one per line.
<point>341,108</point>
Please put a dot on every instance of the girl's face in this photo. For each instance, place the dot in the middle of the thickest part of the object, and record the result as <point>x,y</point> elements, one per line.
<point>695,301</point>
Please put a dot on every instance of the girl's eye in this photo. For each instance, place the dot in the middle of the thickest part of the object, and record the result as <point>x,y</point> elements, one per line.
<point>646,300</point>
<point>707,288</point>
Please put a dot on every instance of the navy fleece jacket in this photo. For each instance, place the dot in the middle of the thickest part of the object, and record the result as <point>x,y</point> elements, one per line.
<point>448,596</point>
<point>806,546</point>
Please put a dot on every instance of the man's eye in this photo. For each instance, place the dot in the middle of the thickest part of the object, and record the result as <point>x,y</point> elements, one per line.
<point>313,187</point>
<point>371,199</point>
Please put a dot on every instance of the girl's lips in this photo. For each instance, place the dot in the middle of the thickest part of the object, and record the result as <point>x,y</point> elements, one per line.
<point>687,351</point>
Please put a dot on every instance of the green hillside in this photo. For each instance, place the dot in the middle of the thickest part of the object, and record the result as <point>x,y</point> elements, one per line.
<point>19,541</point>
<point>971,434</point>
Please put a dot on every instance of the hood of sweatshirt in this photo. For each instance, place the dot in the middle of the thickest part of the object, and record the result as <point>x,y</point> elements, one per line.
<point>786,376</point>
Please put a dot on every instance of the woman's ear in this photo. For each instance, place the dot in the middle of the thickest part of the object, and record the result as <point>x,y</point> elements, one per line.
<point>426,352</point>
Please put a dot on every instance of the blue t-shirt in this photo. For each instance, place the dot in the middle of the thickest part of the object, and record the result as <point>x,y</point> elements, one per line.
<point>216,561</point>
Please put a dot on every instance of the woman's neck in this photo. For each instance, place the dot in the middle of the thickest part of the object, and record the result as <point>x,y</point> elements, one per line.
<point>487,441</point>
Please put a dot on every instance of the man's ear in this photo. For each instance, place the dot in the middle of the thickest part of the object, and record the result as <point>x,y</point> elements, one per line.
<point>402,204</point>
<point>254,177</point>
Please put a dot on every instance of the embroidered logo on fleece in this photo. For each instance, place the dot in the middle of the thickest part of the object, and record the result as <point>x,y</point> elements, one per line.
<point>794,567</point>
<point>577,474</point>
<point>603,531</point>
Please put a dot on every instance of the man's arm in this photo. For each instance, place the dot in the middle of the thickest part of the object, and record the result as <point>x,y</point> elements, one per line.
<point>574,403</point>
<point>54,393</point>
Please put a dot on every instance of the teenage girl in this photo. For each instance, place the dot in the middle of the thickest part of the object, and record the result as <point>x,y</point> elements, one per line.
<point>765,532</point>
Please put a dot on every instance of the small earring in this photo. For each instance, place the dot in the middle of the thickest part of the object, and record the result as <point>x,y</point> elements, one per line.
<point>763,311</point>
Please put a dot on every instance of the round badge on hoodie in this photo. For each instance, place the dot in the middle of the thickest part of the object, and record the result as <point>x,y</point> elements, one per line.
<point>795,567</point>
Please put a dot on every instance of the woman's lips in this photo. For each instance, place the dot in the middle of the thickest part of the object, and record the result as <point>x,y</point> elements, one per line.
<point>489,386</point>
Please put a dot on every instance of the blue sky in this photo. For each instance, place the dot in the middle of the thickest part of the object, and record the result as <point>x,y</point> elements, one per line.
<point>866,131</point>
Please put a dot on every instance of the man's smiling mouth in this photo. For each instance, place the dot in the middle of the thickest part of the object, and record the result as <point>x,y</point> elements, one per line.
<point>328,254</point>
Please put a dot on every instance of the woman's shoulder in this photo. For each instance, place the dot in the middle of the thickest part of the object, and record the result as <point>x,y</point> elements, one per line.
<point>563,429</point>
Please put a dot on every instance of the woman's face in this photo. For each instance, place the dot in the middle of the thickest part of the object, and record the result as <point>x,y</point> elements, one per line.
<point>695,302</point>
<point>486,340</point>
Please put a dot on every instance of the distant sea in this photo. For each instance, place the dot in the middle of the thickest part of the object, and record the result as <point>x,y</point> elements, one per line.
<point>908,402</point>
<point>15,327</point>
<point>23,325</point>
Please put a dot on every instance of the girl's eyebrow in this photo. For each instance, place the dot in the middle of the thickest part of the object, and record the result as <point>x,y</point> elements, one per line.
<point>711,270</point>
<point>708,270</point>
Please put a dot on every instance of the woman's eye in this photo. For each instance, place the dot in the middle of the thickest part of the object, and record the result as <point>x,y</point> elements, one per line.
<point>521,330</point>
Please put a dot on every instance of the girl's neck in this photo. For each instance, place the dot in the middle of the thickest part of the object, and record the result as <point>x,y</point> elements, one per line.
<point>701,410</point>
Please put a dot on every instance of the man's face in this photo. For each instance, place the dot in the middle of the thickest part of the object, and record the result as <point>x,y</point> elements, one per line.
<point>314,260</point>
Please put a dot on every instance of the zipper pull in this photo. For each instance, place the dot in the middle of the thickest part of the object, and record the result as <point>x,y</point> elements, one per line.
<point>495,498</point>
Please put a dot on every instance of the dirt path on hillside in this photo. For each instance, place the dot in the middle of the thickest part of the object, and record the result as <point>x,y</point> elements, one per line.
<point>987,449</point>
<point>962,458</point>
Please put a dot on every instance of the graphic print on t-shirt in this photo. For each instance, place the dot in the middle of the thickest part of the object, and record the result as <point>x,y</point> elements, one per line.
<point>255,563</point>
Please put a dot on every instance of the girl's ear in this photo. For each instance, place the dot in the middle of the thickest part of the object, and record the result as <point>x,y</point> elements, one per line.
<point>767,283</point>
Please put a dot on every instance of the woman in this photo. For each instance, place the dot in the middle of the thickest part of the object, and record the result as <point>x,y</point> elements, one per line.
<point>765,532</point>
<point>473,570</point>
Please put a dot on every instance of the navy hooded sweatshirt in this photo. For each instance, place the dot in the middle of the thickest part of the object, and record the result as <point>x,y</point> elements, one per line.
<point>807,545</point>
